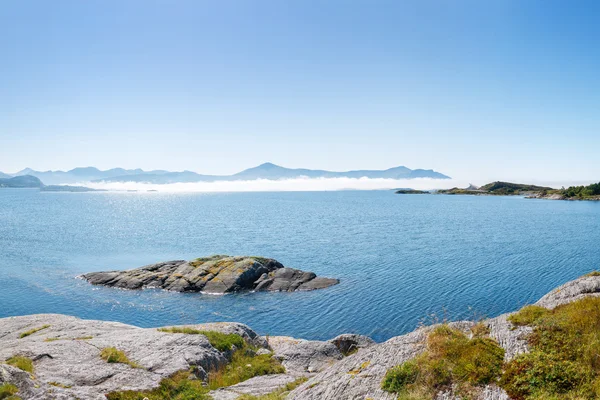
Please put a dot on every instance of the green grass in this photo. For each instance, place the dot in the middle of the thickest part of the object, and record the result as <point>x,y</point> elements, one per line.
<point>7,391</point>
<point>564,357</point>
<point>279,394</point>
<point>220,341</point>
<point>245,364</point>
<point>593,273</point>
<point>113,355</point>
<point>451,359</point>
<point>32,331</point>
<point>180,386</point>
<point>23,363</point>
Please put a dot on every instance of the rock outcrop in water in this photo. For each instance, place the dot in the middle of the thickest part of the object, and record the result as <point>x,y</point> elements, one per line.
<point>215,274</point>
<point>66,356</point>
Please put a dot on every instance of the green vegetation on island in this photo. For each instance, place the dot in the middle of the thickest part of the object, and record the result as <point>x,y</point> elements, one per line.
<point>498,189</point>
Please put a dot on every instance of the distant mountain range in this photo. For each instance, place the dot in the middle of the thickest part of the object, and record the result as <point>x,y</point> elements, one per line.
<point>264,171</point>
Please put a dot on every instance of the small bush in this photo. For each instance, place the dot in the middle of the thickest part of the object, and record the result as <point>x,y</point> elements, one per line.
<point>32,331</point>
<point>527,315</point>
<point>399,377</point>
<point>564,362</point>
<point>451,359</point>
<point>114,355</point>
<point>23,363</point>
<point>541,373</point>
<point>220,341</point>
<point>7,391</point>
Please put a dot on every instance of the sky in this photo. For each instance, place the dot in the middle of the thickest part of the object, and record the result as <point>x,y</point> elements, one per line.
<point>478,90</point>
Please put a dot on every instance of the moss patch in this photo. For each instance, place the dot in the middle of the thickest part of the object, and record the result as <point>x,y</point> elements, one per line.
<point>32,331</point>
<point>451,359</point>
<point>23,363</point>
<point>564,361</point>
<point>114,355</point>
<point>220,341</point>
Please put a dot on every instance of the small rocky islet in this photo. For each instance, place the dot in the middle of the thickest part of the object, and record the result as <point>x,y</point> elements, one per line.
<point>217,274</point>
<point>51,356</point>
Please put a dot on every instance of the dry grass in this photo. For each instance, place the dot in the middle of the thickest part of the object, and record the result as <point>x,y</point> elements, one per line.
<point>32,331</point>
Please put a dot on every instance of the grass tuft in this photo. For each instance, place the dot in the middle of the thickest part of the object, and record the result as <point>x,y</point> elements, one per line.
<point>220,341</point>
<point>7,391</point>
<point>32,331</point>
<point>23,363</point>
<point>113,355</point>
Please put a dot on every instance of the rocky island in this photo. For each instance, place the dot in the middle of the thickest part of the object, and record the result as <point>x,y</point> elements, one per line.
<point>540,352</point>
<point>215,274</point>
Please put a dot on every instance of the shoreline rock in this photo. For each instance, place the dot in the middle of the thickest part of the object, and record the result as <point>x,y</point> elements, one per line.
<point>66,351</point>
<point>217,274</point>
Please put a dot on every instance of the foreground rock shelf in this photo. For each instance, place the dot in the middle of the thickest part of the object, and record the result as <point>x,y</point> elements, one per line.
<point>216,274</point>
<point>66,356</point>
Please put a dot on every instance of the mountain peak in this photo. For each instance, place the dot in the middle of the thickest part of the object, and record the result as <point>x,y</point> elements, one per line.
<point>268,165</point>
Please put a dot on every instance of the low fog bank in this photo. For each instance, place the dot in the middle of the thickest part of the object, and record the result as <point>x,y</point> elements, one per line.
<point>284,185</point>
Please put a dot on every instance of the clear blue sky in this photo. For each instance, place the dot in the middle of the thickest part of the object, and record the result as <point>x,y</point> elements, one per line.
<point>475,89</point>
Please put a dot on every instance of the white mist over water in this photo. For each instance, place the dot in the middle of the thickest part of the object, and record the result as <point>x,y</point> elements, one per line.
<point>283,185</point>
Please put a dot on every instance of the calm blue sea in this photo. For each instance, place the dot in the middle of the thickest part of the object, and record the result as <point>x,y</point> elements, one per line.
<point>400,258</point>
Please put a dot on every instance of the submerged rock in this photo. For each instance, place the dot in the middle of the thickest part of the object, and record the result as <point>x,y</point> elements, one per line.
<point>216,274</point>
